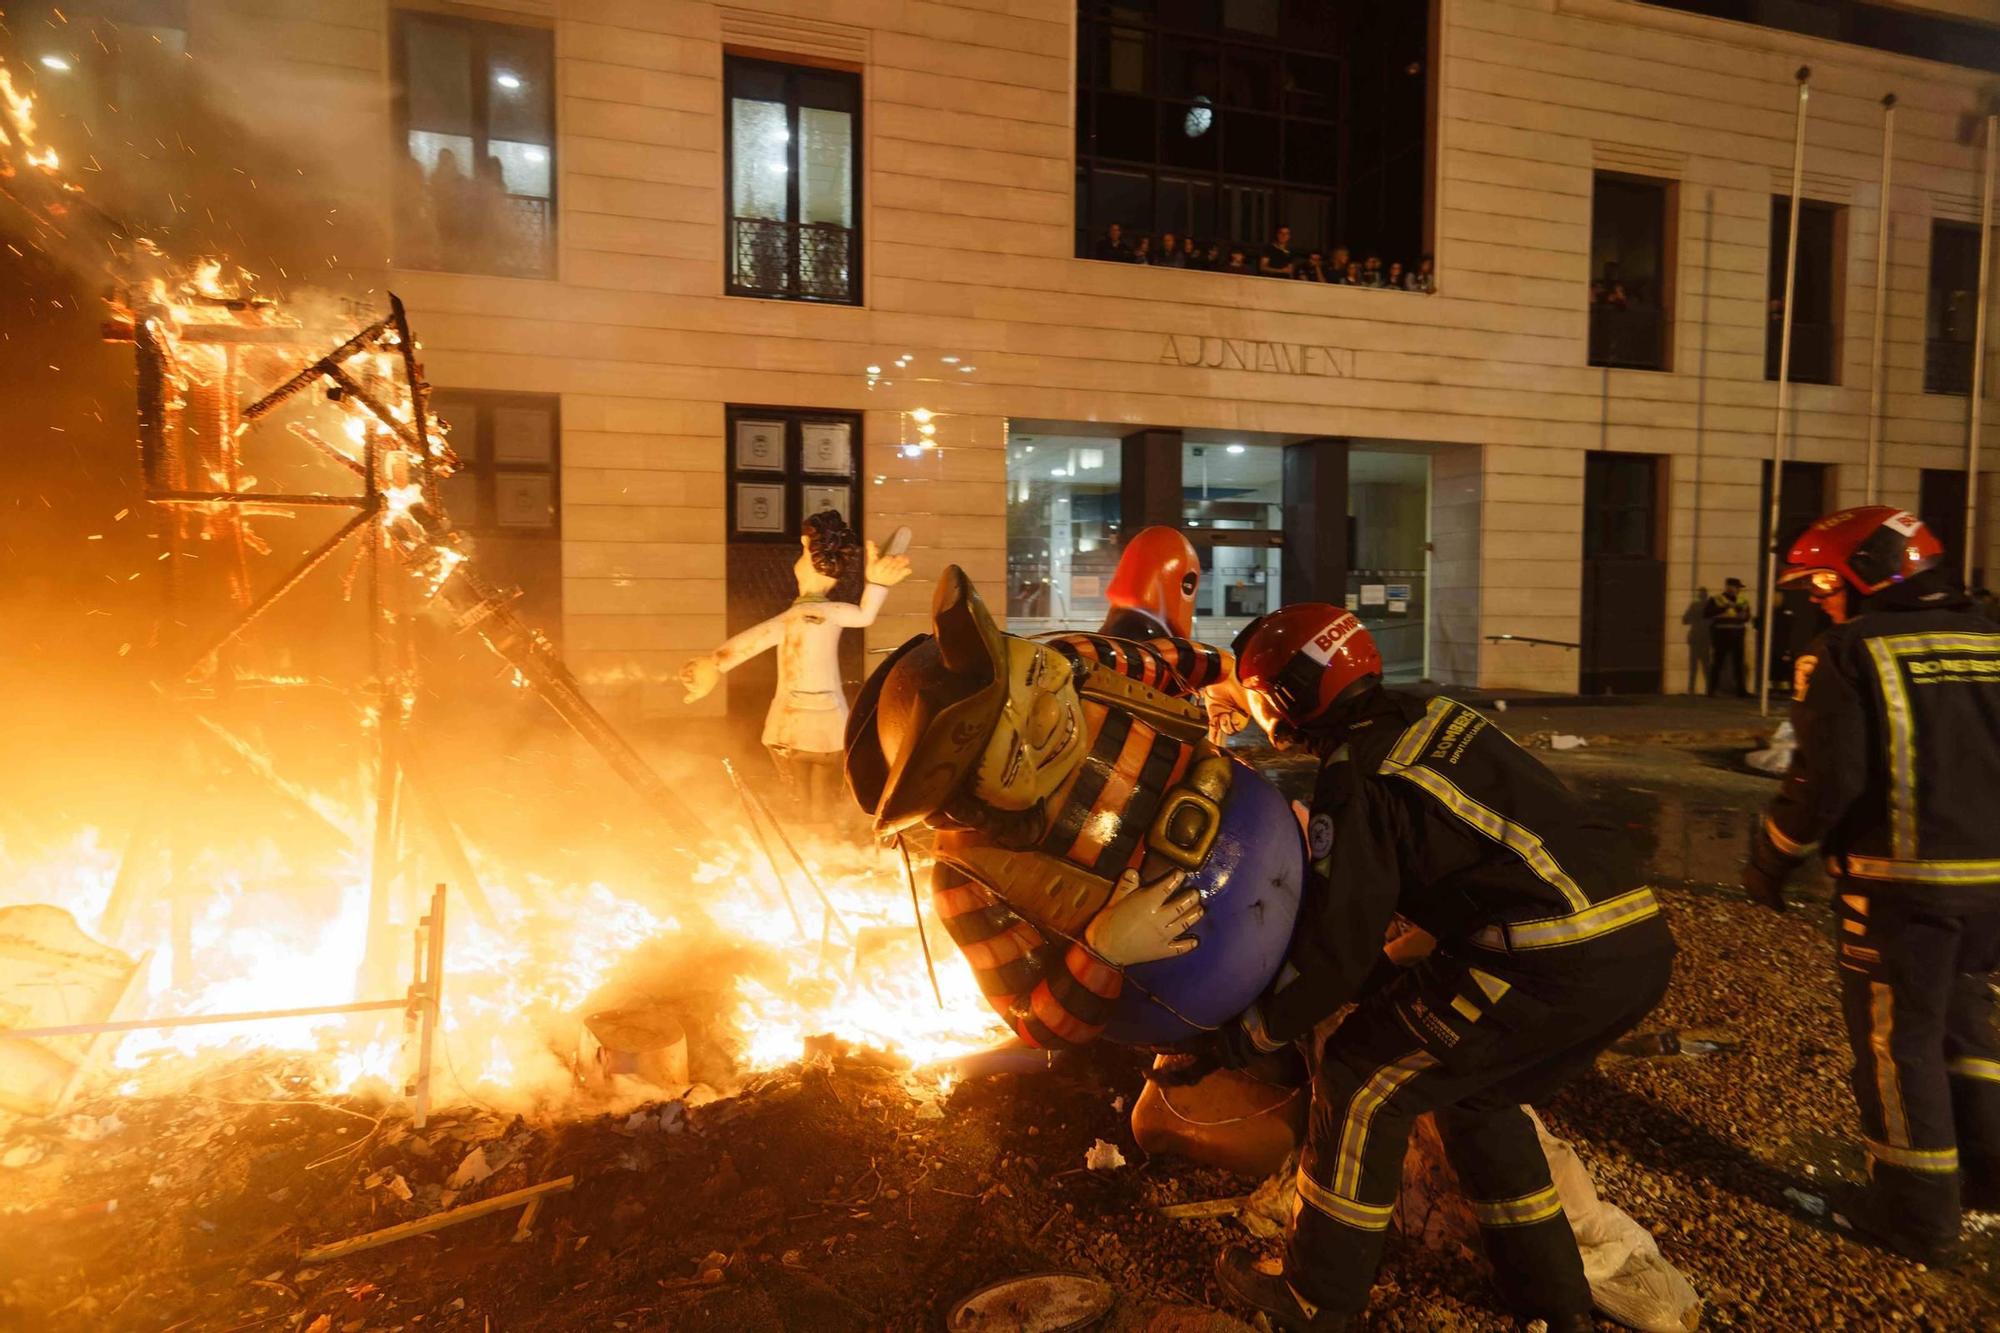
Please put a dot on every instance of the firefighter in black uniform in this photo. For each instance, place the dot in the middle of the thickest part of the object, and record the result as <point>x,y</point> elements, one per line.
<point>1897,712</point>
<point>1544,955</point>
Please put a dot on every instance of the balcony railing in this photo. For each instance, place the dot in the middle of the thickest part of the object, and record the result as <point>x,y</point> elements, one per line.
<point>1947,366</point>
<point>1628,339</point>
<point>514,237</point>
<point>801,261</point>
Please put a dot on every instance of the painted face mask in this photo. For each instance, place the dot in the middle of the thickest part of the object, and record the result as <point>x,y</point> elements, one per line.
<point>1040,737</point>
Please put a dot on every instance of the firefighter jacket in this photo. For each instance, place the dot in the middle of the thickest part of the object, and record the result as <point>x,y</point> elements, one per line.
<point>1897,714</point>
<point>1429,811</point>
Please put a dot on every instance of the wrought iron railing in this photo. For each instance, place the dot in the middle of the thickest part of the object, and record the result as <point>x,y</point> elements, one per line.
<point>808,261</point>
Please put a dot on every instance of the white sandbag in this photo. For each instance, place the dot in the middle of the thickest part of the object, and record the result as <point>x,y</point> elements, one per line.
<point>1777,759</point>
<point>1630,1281</point>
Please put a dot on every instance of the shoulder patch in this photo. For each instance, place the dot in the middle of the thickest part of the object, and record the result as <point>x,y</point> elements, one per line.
<point>1319,836</point>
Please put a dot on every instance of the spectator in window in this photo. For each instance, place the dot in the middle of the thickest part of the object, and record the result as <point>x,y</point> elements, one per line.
<point>1371,271</point>
<point>1238,262</point>
<point>1396,275</point>
<point>1215,259</point>
<point>451,206</point>
<point>1111,247</point>
<point>1424,277</point>
<point>1351,275</point>
<point>1337,267</point>
<point>1170,255</point>
<point>1142,250</point>
<point>1191,254</point>
<point>1277,261</point>
<point>1616,297</point>
<point>1313,268</point>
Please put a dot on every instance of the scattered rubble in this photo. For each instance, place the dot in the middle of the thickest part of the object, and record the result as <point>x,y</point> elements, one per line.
<point>846,1193</point>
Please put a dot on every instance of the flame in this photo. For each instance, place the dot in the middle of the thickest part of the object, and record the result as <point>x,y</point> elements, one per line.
<point>263,933</point>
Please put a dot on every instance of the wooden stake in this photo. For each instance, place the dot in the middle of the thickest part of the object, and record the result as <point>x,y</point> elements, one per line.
<point>450,1217</point>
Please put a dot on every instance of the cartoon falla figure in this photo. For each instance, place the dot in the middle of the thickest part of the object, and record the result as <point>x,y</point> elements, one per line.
<point>1102,866</point>
<point>808,716</point>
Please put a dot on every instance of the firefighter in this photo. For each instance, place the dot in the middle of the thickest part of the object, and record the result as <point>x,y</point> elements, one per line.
<point>1897,712</point>
<point>1544,955</point>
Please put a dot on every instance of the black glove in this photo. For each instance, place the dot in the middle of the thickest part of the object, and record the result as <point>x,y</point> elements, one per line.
<point>1228,1047</point>
<point>1765,873</point>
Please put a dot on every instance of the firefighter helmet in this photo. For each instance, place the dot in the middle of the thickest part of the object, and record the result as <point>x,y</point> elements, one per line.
<point>1156,578</point>
<point>1870,547</point>
<point>1302,658</point>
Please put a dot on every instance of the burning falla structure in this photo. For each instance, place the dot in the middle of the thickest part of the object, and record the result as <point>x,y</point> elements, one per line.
<point>511,995</point>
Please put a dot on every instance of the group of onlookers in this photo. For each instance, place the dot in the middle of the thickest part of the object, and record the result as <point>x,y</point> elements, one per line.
<point>1276,260</point>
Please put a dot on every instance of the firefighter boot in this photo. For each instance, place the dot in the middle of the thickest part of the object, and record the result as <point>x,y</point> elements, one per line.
<point>1240,1278</point>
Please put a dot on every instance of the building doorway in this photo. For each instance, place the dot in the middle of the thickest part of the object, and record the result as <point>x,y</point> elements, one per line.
<point>1389,556</point>
<point>1624,609</point>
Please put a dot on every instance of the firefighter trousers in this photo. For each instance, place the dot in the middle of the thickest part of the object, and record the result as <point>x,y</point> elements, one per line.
<point>1463,1042</point>
<point>1916,993</point>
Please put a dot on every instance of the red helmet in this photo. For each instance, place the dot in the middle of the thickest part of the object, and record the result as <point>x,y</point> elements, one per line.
<point>1304,657</point>
<point>1871,547</point>
<point>1157,575</point>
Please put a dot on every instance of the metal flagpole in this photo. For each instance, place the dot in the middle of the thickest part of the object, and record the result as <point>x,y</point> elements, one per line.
<point>1972,542</point>
<point>1881,297</point>
<point>1784,399</point>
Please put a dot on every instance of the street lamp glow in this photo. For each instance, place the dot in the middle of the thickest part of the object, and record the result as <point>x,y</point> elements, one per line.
<point>57,63</point>
<point>921,414</point>
<point>508,81</point>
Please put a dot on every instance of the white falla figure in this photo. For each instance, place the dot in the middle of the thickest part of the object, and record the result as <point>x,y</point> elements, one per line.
<point>805,729</point>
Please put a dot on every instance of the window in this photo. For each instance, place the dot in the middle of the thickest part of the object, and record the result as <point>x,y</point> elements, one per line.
<point>794,169</point>
<point>785,464</point>
<point>1063,505</point>
<point>475,110</point>
<point>1817,292</point>
<point>1885,25</point>
<point>1954,302</point>
<point>1224,119</point>
<point>509,475</point>
<point>1631,272</point>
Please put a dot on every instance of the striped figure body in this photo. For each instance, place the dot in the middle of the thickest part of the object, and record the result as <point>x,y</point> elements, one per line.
<point>1150,797</point>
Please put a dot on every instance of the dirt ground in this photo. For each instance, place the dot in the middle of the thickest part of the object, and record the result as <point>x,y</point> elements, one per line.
<point>842,1193</point>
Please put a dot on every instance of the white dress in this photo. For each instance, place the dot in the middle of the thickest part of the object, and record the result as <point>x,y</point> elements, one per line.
<point>809,711</point>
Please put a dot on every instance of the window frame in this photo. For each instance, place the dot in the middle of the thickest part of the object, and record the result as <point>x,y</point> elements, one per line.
<point>1666,280</point>
<point>735,59</point>
<point>1837,282</point>
<point>794,477</point>
<point>479,461</point>
<point>399,84</point>
<point>1285,114</point>
<point>1933,324</point>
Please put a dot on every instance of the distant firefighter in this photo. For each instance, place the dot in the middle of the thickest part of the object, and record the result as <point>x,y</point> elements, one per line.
<point>1102,866</point>
<point>1896,708</point>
